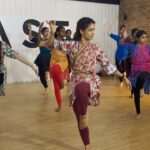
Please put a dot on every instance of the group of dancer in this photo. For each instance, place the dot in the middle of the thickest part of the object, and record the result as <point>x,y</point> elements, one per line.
<point>83,56</point>
<point>133,60</point>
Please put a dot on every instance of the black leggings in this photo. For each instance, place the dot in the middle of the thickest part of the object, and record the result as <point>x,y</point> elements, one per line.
<point>43,79</point>
<point>139,85</point>
<point>121,67</point>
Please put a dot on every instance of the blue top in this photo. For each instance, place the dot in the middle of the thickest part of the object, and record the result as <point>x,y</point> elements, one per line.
<point>121,52</point>
<point>45,54</point>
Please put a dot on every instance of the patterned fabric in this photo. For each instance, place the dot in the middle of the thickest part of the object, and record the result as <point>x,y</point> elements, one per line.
<point>60,58</point>
<point>141,61</point>
<point>6,51</point>
<point>85,67</point>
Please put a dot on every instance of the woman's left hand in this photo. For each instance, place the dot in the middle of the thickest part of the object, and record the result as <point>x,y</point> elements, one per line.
<point>52,25</point>
<point>127,82</point>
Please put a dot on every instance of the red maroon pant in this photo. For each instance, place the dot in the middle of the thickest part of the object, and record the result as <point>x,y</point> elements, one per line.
<point>56,74</point>
<point>82,93</point>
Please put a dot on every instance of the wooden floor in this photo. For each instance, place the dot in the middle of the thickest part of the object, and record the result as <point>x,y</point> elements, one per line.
<point>28,120</point>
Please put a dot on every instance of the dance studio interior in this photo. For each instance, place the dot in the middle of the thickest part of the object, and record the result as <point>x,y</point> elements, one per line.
<point>74,74</point>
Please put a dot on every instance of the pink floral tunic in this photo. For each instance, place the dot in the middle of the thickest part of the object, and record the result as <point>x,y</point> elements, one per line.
<point>84,69</point>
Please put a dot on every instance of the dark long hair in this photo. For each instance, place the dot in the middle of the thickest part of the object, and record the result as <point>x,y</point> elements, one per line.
<point>68,30</point>
<point>43,29</point>
<point>140,33</point>
<point>134,30</point>
<point>133,34</point>
<point>82,24</point>
<point>58,29</point>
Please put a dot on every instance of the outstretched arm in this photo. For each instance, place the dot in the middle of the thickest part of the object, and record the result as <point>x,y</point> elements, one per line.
<point>13,54</point>
<point>26,62</point>
<point>108,67</point>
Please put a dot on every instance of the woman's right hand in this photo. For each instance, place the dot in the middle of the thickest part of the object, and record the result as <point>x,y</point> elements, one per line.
<point>52,26</point>
<point>127,82</point>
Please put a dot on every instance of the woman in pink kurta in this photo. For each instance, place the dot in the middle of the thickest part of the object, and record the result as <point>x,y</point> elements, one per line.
<point>85,85</point>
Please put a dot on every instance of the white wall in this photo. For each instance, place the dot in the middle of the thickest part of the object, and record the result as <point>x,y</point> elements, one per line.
<point>14,12</point>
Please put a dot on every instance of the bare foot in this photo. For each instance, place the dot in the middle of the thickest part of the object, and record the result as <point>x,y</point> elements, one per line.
<point>131,96</point>
<point>121,84</point>
<point>46,92</point>
<point>141,93</point>
<point>58,109</point>
<point>87,147</point>
<point>138,117</point>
